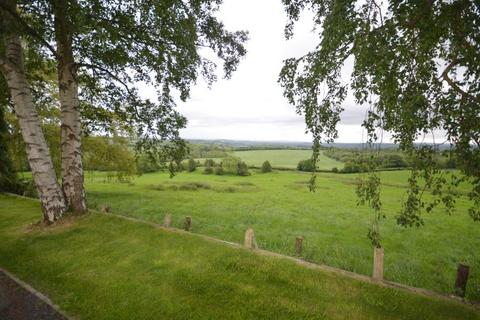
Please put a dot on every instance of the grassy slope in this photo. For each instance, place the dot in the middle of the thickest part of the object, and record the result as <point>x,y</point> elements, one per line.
<point>100,267</point>
<point>284,158</point>
<point>279,207</point>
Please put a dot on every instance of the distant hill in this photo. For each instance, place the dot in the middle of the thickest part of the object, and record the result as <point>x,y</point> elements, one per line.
<point>248,144</point>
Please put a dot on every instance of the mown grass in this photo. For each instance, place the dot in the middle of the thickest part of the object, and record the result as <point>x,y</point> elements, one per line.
<point>285,158</point>
<point>102,267</point>
<point>279,207</point>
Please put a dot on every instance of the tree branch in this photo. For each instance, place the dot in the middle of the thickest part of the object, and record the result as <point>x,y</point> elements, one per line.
<point>379,11</point>
<point>108,72</point>
<point>29,29</point>
<point>452,83</point>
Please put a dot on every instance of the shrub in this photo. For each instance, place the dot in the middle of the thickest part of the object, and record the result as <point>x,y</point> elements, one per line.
<point>209,166</point>
<point>351,167</point>
<point>208,170</point>
<point>394,161</point>
<point>27,188</point>
<point>306,165</point>
<point>266,167</point>
<point>335,169</point>
<point>219,170</point>
<point>230,165</point>
<point>209,163</point>
<point>242,169</point>
<point>191,165</point>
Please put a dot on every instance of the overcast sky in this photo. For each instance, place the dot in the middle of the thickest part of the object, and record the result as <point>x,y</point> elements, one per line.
<point>250,105</point>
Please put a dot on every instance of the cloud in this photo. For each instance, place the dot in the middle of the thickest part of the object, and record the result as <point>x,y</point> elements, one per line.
<point>251,104</point>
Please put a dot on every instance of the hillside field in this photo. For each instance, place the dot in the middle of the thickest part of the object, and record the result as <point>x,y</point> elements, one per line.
<point>279,207</point>
<point>103,267</point>
<point>285,158</point>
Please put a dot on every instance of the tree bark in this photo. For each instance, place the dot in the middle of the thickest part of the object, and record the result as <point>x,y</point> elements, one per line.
<point>12,68</point>
<point>72,167</point>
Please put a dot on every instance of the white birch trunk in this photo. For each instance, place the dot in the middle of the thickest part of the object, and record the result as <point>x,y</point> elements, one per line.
<point>72,167</point>
<point>12,68</point>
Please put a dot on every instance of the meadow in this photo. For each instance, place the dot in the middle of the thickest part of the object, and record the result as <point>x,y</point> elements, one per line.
<point>285,159</point>
<point>279,207</point>
<point>103,267</point>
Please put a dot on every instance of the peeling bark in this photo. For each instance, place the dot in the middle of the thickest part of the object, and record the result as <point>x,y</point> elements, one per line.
<point>39,159</point>
<point>72,167</point>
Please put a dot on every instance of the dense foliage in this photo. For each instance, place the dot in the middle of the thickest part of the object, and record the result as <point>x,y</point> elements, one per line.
<point>229,165</point>
<point>415,64</point>
<point>113,155</point>
<point>8,178</point>
<point>208,150</point>
<point>242,169</point>
<point>209,166</point>
<point>107,50</point>
<point>191,165</point>
<point>266,167</point>
<point>306,165</point>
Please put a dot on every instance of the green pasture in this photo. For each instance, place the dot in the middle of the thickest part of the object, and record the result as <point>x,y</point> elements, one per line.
<point>279,207</point>
<point>103,267</point>
<point>285,158</point>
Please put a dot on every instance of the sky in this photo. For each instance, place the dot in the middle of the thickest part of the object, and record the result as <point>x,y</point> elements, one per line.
<point>250,105</point>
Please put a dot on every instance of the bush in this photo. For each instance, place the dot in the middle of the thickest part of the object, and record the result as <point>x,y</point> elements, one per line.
<point>306,165</point>
<point>219,170</point>
<point>208,170</point>
<point>233,165</point>
<point>145,164</point>
<point>266,167</point>
<point>394,161</point>
<point>191,165</point>
<point>209,166</point>
<point>28,188</point>
<point>351,167</point>
<point>242,169</point>
<point>209,163</point>
<point>335,169</point>
<point>230,165</point>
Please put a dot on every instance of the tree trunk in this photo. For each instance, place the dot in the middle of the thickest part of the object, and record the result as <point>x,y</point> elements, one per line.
<point>12,68</point>
<point>72,167</point>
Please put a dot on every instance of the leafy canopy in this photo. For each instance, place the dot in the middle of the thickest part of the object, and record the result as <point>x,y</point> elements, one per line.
<point>416,64</point>
<point>117,44</point>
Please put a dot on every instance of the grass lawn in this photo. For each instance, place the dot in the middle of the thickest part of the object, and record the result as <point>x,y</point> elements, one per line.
<point>279,207</point>
<point>285,158</point>
<point>102,267</point>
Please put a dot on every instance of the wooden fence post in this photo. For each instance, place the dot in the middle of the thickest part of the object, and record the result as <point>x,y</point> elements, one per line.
<point>188,223</point>
<point>298,246</point>
<point>461,281</point>
<point>377,264</point>
<point>250,241</point>
<point>167,220</point>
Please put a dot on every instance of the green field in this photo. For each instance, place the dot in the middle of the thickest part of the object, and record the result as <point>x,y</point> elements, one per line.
<point>285,158</point>
<point>279,207</point>
<point>102,267</point>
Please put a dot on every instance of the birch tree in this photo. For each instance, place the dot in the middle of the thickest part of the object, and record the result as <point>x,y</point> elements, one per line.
<point>70,130</point>
<point>13,70</point>
<point>103,48</point>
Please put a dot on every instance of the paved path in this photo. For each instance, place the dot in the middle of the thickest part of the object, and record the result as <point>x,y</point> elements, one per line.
<point>17,303</point>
